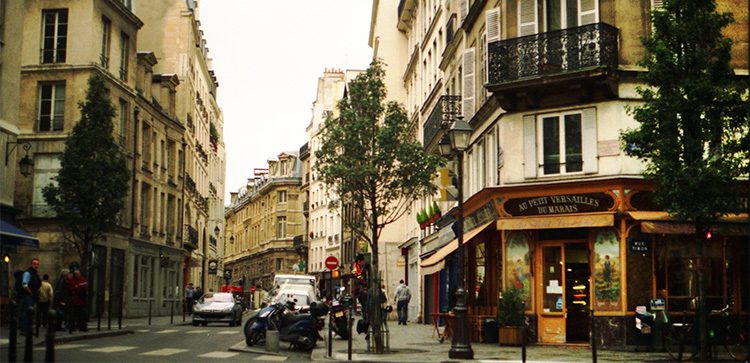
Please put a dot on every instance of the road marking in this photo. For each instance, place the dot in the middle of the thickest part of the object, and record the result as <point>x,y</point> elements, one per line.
<point>273,358</point>
<point>4,341</point>
<point>71,346</point>
<point>112,349</point>
<point>227,332</point>
<point>197,331</point>
<point>165,352</point>
<point>167,331</point>
<point>218,355</point>
<point>143,330</point>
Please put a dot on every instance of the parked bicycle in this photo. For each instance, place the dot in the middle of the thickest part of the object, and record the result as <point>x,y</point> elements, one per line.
<point>681,336</point>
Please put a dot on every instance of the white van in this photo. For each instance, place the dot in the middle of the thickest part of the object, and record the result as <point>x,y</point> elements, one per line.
<point>281,280</point>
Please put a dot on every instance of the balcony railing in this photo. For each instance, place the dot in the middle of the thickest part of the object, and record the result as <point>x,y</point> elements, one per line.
<point>191,238</point>
<point>446,110</point>
<point>556,52</point>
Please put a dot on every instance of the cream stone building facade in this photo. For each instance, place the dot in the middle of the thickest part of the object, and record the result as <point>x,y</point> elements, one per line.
<point>263,220</point>
<point>139,261</point>
<point>545,85</point>
<point>183,50</point>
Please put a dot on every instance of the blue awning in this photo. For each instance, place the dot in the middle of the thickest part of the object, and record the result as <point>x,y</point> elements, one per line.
<point>10,235</point>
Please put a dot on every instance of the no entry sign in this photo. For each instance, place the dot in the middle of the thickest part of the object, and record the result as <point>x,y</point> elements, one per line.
<point>332,263</point>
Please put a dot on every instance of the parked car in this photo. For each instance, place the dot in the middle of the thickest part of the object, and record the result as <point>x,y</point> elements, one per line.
<point>219,307</point>
<point>301,295</point>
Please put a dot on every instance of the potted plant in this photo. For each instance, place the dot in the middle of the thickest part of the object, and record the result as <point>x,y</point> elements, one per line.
<point>425,219</point>
<point>420,220</point>
<point>436,210</point>
<point>511,318</point>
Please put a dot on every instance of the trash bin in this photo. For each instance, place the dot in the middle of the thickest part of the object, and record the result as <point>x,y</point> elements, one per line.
<point>489,331</point>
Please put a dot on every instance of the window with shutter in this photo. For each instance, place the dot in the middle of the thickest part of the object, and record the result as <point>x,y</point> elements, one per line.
<point>463,10</point>
<point>567,142</point>
<point>467,92</point>
<point>590,141</point>
<point>527,15</point>
<point>529,147</point>
<point>492,18</point>
<point>588,12</point>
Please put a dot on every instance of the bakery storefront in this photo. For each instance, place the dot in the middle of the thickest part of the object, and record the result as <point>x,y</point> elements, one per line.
<point>576,246</point>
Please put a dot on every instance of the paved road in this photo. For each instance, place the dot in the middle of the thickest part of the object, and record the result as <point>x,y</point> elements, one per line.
<point>163,343</point>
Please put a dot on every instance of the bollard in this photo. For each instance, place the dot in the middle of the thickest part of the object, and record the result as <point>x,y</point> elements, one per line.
<point>272,341</point>
<point>28,349</point>
<point>593,337</point>
<point>149,312</point>
<point>184,309</point>
<point>523,333</point>
<point>98,317</point>
<point>171,313</point>
<point>119,316</point>
<point>351,326</point>
<point>49,354</point>
<point>13,331</point>
<point>330,333</point>
<point>109,312</point>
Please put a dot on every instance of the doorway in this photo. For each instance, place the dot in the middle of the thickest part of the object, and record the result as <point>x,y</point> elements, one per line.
<point>564,292</point>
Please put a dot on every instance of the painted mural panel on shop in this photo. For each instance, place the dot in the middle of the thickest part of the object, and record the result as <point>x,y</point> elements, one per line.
<point>518,264</point>
<point>607,268</point>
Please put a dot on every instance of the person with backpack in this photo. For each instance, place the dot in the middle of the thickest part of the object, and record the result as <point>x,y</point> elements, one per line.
<point>27,293</point>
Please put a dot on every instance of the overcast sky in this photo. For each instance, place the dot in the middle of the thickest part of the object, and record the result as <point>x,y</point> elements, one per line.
<point>268,56</point>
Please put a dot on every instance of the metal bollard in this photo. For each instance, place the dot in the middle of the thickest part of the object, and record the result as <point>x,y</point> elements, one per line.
<point>272,340</point>
<point>109,312</point>
<point>351,328</point>
<point>184,309</point>
<point>98,317</point>
<point>13,331</point>
<point>593,337</point>
<point>330,333</point>
<point>171,313</point>
<point>49,354</point>
<point>523,338</point>
<point>149,312</point>
<point>28,348</point>
<point>119,316</point>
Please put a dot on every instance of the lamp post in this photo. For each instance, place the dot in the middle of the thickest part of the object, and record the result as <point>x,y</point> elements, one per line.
<point>459,134</point>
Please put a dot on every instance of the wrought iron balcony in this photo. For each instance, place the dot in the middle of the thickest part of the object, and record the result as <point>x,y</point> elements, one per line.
<point>191,238</point>
<point>551,59</point>
<point>446,110</point>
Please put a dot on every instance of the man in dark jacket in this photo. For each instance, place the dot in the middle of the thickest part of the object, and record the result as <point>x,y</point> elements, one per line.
<point>62,299</point>
<point>28,295</point>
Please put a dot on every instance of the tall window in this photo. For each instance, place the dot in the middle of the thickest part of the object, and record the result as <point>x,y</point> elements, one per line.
<point>54,35</point>
<point>280,227</point>
<point>51,106</point>
<point>46,168</point>
<point>106,33</point>
<point>561,140</point>
<point>124,50</point>
<point>122,126</point>
<point>281,196</point>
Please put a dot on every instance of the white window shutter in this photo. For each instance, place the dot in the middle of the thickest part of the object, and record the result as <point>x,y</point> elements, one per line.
<point>589,141</point>
<point>529,147</point>
<point>587,12</point>
<point>463,10</point>
<point>467,93</point>
<point>492,18</point>
<point>656,4</point>
<point>527,16</point>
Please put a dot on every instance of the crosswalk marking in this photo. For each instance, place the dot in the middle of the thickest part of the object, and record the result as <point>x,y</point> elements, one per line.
<point>112,349</point>
<point>143,330</point>
<point>71,346</point>
<point>227,332</point>
<point>167,331</point>
<point>274,358</point>
<point>164,352</point>
<point>197,331</point>
<point>218,355</point>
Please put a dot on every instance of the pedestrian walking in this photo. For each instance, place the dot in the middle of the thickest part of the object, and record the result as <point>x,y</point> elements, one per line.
<point>46,296</point>
<point>78,288</point>
<point>28,292</point>
<point>62,299</point>
<point>402,298</point>
<point>189,298</point>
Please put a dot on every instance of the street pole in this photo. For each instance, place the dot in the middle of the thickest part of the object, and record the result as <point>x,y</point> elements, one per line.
<point>460,344</point>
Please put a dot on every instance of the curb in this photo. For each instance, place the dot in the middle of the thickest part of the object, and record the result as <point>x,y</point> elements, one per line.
<point>102,334</point>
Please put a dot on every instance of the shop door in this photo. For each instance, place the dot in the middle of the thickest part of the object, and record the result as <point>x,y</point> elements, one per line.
<point>563,297</point>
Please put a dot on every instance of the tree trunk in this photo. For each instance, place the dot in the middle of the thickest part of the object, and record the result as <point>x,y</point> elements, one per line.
<point>701,308</point>
<point>374,289</point>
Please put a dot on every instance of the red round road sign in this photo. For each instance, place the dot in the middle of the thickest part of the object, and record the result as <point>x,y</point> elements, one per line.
<point>332,262</point>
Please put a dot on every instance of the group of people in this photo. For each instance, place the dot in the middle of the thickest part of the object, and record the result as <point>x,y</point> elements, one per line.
<point>401,298</point>
<point>192,295</point>
<point>68,298</point>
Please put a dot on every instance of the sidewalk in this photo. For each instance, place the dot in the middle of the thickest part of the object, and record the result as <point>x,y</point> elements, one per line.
<point>414,343</point>
<point>128,327</point>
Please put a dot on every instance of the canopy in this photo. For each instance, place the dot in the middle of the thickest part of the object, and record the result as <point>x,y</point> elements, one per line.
<point>451,246</point>
<point>11,235</point>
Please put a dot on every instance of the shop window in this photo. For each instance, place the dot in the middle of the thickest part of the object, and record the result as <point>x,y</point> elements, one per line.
<point>481,289</point>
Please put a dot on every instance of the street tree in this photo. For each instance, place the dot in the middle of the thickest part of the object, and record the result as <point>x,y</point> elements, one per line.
<point>693,130</point>
<point>369,156</point>
<point>92,184</point>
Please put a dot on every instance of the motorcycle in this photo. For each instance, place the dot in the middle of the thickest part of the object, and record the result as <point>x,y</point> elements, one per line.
<point>340,322</point>
<point>296,328</point>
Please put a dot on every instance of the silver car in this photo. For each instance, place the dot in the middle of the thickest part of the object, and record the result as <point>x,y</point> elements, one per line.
<point>219,307</point>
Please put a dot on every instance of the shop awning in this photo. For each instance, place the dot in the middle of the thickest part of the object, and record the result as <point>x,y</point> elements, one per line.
<point>662,223</point>
<point>429,270</point>
<point>557,221</point>
<point>446,250</point>
<point>10,235</point>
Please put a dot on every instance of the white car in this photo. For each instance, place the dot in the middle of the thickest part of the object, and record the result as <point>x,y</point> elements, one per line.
<point>302,295</point>
<point>219,307</point>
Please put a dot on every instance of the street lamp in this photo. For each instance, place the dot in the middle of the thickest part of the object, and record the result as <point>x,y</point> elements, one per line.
<point>26,165</point>
<point>459,135</point>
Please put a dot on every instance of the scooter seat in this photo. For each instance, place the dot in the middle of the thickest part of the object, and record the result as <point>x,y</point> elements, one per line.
<point>293,318</point>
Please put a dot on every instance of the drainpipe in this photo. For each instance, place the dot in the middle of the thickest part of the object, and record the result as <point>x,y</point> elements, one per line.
<point>186,259</point>
<point>136,112</point>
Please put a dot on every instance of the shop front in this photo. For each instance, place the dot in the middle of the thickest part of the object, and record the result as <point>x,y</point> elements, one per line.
<point>574,247</point>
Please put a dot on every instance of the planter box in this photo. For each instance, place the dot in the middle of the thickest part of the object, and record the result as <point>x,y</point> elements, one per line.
<point>511,335</point>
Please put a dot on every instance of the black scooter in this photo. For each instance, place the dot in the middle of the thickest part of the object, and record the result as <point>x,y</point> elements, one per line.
<point>338,310</point>
<point>296,328</point>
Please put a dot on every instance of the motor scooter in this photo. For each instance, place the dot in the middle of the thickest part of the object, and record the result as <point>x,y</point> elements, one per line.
<point>338,311</point>
<point>296,328</point>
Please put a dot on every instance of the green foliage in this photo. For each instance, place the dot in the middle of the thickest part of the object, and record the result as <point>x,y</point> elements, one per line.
<point>511,312</point>
<point>693,132</point>
<point>423,216</point>
<point>93,180</point>
<point>213,132</point>
<point>430,211</point>
<point>436,208</point>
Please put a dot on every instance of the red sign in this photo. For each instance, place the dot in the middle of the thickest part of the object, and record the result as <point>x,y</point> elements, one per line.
<point>332,262</point>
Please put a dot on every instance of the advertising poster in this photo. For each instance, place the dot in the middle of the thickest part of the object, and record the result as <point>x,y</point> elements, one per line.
<point>607,268</point>
<point>518,264</point>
